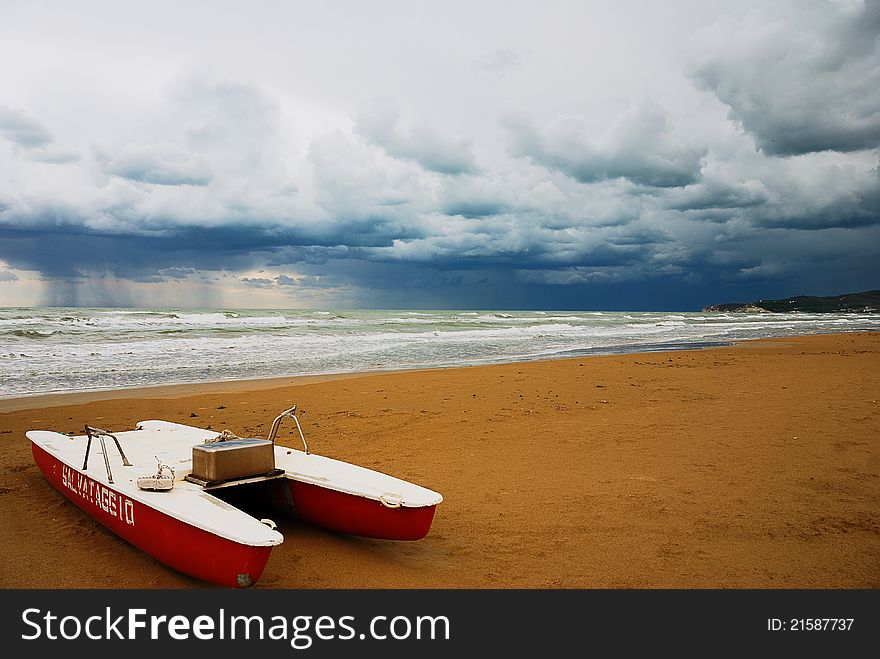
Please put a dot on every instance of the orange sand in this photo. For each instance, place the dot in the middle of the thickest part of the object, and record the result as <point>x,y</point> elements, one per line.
<point>751,466</point>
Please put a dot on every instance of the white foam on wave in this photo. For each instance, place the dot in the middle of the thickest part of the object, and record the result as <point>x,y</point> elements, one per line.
<point>85,349</point>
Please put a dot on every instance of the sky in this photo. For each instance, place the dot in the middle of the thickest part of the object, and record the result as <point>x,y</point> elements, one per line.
<point>550,154</point>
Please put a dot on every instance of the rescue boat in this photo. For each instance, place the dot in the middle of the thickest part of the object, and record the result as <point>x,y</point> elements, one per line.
<point>336,495</point>
<point>183,526</point>
<point>343,497</point>
<point>167,492</point>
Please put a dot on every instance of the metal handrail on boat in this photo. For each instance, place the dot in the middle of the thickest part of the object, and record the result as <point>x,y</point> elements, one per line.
<point>277,422</point>
<point>100,434</point>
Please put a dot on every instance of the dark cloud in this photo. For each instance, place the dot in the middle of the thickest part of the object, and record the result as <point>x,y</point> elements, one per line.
<point>640,147</point>
<point>70,252</point>
<point>299,282</point>
<point>258,282</point>
<point>822,261</point>
<point>475,208</point>
<point>177,272</point>
<point>6,275</point>
<point>715,194</point>
<point>421,143</point>
<point>149,279</point>
<point>59,246</point>
<point>801,81</point>
<point>846,216</point>
<point>487,195</point>
<point>17,127</point>
<point>655,267</point>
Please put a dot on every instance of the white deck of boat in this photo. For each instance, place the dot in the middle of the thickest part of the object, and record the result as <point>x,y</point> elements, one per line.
<point>319,470</point>
<point>172,445</point>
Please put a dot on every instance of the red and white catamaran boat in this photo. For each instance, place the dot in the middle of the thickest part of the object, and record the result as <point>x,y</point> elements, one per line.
<point>186,527</point>
<point>176,512</point>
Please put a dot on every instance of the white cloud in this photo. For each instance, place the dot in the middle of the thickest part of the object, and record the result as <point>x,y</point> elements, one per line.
<point>160,164</point>
<point>640,146</point>
<point>421,142</point>
<point>799,77</point>
<point>17,127</point>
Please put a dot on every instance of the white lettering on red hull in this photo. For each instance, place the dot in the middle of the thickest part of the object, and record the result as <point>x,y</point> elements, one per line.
<point>111,502</point>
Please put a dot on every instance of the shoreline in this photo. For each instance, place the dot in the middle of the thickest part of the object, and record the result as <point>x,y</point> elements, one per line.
<point>163,391</point>
<point>750,466</point>
<point>177,390</point>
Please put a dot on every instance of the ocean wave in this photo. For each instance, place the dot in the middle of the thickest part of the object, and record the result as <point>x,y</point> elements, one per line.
<point>30,334</point>
<point>76,349</point>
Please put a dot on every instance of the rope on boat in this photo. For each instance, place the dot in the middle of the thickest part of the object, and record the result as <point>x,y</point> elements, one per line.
<point>160,480</point>
<point>160,470</point>
<point>225,436</point>
<point>391,500</point>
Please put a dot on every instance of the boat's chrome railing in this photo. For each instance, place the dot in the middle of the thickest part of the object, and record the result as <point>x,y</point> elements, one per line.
<point>277,422</point>
<point>100,434</point>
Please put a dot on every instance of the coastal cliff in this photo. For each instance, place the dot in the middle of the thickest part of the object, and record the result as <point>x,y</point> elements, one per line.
<point>866,302</point>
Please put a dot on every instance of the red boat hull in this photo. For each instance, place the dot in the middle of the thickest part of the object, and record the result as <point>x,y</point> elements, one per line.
<point>179,545</point>
<point>347,513</point>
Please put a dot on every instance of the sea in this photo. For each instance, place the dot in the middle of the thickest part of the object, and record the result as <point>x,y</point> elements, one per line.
<point>49,350</point>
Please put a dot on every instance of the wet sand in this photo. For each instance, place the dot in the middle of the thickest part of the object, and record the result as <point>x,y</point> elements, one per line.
<point>752,466</point>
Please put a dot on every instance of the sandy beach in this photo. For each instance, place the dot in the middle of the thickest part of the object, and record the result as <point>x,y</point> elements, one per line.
<point>751,466</point>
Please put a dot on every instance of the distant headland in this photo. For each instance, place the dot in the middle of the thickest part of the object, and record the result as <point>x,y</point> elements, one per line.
<point>867,302</point>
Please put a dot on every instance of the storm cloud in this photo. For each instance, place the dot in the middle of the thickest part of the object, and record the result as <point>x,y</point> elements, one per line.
<point>639,147</point>
<point>728,152</point>
<point>799,79</point>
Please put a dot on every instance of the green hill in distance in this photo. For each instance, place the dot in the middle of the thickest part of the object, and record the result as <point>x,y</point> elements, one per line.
<point>867,302</point>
